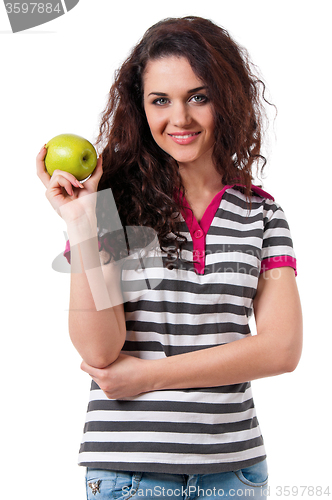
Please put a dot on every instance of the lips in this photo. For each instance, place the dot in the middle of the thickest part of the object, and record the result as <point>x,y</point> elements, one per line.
<point>184,137</point>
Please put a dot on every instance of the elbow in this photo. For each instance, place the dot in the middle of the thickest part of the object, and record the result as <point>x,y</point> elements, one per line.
<point>98,349</point>
<point>97,356</point>
<point>100,361</point>
<point>290,364</point>
<point>290,357</point>
<point>284,353</point>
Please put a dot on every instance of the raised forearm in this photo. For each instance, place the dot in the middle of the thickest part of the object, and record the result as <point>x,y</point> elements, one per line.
<point>96,316</point>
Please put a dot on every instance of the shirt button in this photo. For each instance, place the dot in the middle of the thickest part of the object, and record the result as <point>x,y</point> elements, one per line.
<point>198,233</point>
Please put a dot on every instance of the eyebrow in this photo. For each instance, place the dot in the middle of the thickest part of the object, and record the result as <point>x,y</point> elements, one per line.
<point>162,94</point>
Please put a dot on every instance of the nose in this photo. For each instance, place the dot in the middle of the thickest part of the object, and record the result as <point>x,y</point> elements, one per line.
<point>180,115</point>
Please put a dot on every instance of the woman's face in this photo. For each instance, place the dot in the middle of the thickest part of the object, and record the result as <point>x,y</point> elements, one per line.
<point>178,110</point>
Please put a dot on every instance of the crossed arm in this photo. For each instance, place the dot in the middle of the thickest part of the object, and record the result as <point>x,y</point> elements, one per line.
<point>276,349</point>
<point>98,333</point>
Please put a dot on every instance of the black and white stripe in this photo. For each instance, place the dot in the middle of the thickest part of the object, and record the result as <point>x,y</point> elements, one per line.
<point>194,430</point>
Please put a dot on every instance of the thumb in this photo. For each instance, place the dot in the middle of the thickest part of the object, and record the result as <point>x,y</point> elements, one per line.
<point>92,183</point>
<point>98,171</point>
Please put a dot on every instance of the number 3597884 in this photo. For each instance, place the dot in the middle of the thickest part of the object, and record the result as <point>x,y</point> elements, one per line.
<point>32,7</point>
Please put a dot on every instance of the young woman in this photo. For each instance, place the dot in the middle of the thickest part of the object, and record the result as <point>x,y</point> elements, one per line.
<point>171,411</point>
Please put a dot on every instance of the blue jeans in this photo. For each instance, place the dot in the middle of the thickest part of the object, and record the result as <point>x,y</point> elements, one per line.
<point>250,482</point>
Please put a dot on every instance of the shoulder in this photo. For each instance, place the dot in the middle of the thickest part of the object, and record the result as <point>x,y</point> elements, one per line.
<point>258,191</point>
<point>258,198</point>
<point>260,204</point>
<point>261,198</point>
<point>267,201</point>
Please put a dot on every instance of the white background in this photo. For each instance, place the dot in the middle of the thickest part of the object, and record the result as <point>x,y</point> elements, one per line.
<point>55,79</point>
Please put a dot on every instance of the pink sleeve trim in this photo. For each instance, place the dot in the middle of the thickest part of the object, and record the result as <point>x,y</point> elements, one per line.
<point>66,252</point>
<point>279,261</point>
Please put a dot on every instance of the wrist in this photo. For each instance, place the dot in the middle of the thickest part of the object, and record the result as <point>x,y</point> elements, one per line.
<point>156,375</point>
<point>82,229</point>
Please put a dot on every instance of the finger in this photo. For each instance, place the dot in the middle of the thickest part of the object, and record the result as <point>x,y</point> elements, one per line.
<point>84,366</point>
<point>88,369</point>
<point>66,175</point>
<point>42,173</point>
<point>59,181</point>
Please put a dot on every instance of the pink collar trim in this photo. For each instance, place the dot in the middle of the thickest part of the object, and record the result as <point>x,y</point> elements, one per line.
<point>198,230</point>
<point>209,213</point>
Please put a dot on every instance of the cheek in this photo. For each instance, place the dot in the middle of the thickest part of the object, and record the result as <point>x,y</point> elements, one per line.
<point>208,121</point>
<point>156,123</point>
<point>205,117</point>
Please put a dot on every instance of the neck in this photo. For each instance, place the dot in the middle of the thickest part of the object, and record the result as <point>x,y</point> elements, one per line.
<point>198,178</point>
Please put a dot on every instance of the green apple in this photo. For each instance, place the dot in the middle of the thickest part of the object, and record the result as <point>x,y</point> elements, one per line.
<point>71,153</point>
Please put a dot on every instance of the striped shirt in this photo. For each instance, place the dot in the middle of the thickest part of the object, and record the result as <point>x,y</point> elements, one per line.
<point>203,300</point>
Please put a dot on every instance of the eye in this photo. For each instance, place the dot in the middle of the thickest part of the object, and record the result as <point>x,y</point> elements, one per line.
<point>199,99</point>
<point>161,101</point>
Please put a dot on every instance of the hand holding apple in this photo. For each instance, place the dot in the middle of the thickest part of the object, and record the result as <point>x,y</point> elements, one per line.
<point>70,198</point>
<point>71,153</point>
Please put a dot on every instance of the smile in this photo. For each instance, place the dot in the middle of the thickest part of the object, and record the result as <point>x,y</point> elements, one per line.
<point>184,138</point>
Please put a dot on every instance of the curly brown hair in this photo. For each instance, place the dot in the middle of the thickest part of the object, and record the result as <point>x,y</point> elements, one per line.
<point>141,175</point>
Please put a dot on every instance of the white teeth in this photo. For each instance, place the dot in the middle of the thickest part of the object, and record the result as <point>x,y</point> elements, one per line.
<point>182,136</point>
